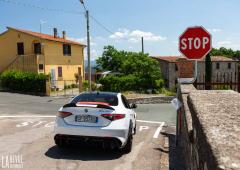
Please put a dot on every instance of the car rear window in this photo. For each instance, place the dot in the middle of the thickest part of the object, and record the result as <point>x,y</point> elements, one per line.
<point>106,98</point>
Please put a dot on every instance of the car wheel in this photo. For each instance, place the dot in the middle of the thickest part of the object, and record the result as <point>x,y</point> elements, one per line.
<point>135,129</point>
<point>128,147</point>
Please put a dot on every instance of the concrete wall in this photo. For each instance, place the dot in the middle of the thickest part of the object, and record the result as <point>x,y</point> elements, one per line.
<point>173,75</point>
<point>52,54</point>
<point>8,46</point>
<point>223,74</point>
<point>151,100</point>
<point>169,73</point>
<point>220,72</point>
<point>208,128</point>
<point>54,58</point>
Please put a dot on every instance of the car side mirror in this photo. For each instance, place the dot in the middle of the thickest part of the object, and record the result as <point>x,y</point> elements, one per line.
<point>133,106</point>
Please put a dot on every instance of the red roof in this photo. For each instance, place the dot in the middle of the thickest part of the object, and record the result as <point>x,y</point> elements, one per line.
<point>175,58</point>
<point>47,37</point>
<point>220,58</point>
<point>168,58</point>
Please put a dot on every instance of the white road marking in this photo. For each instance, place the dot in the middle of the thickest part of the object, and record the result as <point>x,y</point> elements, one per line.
<point>147,121</point>
<point>50,124</point>
<point>158,130</point>
<point>143,128</point>
<point>23,124</point>
<point>39,122</point>
<point>27,116</point>
<point>53,116</point>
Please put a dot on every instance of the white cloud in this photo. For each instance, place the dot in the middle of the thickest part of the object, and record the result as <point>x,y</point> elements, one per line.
<point>214,30</point>
<point>121,33</point>
<point>135,35</point>
<point>228,44</point>
<point>224,43</point>
<point>83,40</point>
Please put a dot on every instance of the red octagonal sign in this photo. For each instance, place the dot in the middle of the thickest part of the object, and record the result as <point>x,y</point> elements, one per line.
<point>195,43</point>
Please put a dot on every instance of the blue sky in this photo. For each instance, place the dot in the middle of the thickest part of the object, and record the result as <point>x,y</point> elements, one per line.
<point>159,21</point>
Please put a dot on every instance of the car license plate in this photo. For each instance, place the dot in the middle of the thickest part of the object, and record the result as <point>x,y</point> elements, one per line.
<point>86,118</point>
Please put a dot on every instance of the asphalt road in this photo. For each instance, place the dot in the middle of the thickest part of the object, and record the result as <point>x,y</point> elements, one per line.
<point>26,126</point>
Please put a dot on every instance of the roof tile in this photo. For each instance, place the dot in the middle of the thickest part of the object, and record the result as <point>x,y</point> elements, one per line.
<point>47,37</point>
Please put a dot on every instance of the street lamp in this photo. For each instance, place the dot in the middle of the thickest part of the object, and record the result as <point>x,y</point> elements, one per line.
<point>88,47</point>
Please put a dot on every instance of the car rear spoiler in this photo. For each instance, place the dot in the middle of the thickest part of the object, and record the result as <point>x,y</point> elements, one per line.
<point>99,105</point>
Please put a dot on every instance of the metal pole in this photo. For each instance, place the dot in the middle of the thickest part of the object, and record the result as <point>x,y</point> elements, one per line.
<point>142,46</point>
<point>88,52</point>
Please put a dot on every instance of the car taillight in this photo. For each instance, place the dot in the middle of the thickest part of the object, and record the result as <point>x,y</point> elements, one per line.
<point>64,114</point>
<point>113,116</point>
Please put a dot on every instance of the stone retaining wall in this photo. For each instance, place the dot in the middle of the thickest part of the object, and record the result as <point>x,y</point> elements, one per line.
<point>209,128</point>
<point>151,100</point>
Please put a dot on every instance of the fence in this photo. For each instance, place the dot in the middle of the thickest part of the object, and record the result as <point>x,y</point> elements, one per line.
<point>64,87</point>
<point>219,81</point>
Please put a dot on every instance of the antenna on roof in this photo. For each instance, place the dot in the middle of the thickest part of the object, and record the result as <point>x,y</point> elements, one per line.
<point>41,23</point>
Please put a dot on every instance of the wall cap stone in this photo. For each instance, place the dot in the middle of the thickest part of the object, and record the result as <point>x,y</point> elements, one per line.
<point>219,115</point>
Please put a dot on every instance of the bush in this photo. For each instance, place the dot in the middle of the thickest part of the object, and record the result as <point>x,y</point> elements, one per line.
<point>23,81</point>
<point>129,83</point>
<point>86,85</point>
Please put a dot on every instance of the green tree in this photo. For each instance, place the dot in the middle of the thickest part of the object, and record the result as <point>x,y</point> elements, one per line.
<point>111,59</point>
<point>139,71</point>
<point>222,51</point>
<point>208,71</point>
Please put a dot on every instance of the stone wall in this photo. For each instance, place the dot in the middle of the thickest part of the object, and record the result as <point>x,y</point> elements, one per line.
<point>151,100</point>
<point>173,75</point>
<point>209,128</point>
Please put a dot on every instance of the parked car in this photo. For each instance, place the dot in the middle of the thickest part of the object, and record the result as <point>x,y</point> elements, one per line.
<point>95,117</point>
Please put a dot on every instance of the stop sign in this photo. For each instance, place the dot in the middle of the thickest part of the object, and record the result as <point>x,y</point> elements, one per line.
<point>195,43</point>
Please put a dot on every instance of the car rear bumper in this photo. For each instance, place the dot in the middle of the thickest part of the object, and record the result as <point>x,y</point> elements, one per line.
<point>90,140</point>
<point>61,128</point>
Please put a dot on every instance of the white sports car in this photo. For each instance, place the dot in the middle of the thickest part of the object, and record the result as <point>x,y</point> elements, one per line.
<point>103,117</point>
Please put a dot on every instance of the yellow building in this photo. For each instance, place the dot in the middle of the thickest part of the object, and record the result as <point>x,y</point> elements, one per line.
<point>41,53</point>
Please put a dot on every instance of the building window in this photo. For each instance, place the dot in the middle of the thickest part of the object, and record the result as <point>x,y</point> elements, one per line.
<point>37,48</point>
<point>20,48</point>
<point>59,71</point>
<point>218,66</point>
<point>229,66</point>
<point>176,67</point>
<point>40,66</point>
<point>66,49</point>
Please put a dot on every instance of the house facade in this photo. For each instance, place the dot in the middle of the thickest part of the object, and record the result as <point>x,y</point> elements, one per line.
<point>41,53</point>
<point>173,67</point>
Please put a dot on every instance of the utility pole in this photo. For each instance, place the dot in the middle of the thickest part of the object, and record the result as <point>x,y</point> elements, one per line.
<point>41,44</point>
<point>142,46</point>
<point>88,48</point>
<point>88,52</point>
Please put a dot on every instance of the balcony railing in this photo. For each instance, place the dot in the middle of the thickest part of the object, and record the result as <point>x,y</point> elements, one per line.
<point>26,63</point>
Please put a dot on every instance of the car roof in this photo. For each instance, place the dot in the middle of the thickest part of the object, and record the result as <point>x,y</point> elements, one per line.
<point>104,93</point>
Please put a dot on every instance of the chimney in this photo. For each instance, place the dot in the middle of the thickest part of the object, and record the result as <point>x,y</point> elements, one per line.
<point>64,34</point>
<point>55,32</point>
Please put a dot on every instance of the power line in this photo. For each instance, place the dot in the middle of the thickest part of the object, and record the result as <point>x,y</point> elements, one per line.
<point>100,24</point>
<point>41,8</point>
<point>106,29</point>
<point>60,11</point>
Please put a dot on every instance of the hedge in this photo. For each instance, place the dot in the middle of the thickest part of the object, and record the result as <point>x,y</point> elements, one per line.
<point>23,81</point>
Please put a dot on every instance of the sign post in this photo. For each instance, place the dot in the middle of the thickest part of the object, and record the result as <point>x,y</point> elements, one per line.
<point>194,43</point>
